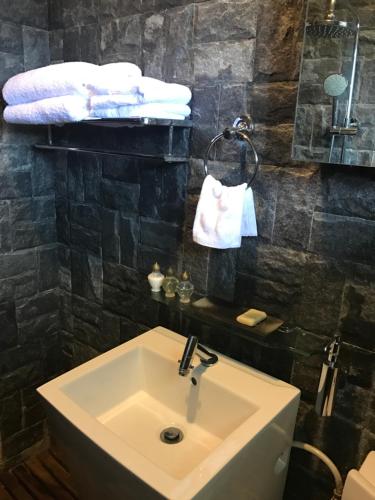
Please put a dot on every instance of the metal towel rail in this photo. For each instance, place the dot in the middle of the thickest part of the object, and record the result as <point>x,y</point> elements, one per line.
<point>242,129</point>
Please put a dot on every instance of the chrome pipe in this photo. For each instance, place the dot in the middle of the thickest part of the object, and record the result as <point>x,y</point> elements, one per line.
<point>331,6</point>
<point>347,120</point>
<point>352,78</point>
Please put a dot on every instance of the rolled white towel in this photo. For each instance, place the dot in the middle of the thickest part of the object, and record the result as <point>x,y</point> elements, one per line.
<point>112,101</point>
<point>69,78</point>
<point>116,78</point>
<point>154,110</point>
<point>152,90</point>
<point>53,110</point>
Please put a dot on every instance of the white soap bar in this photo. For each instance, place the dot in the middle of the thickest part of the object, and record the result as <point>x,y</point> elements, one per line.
<point>251,317</point>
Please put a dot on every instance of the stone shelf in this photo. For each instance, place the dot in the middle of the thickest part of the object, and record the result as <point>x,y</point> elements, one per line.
<point>279,337</point>
<point>286,343</point>
<point>150,139</point>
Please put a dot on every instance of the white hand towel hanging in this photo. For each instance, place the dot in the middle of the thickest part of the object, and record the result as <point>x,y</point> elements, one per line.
<point>249,221</point>
<point>218,221</point>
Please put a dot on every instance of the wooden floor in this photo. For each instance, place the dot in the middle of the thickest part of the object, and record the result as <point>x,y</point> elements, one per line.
<point>40,478</point>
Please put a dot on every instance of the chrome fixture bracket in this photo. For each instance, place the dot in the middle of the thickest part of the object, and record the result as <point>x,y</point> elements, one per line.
<point>241,130</point>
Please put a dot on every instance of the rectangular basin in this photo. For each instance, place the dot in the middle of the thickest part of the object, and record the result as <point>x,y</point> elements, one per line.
<point>117,406</point>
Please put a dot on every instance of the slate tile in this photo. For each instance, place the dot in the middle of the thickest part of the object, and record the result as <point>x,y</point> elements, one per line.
<point>15,184</point>
<point>280,26</point>
<point>205,115</point>
<point>147,256</point>
<point>273,102</point>
<point>121,196</point>
<point>222,274</point>
<point>110,236</point>
<point>113,9</point>
<point>154,45</point>
<point>36,48</point>
<point>79,13</point>
<point>86,215</point>
<point>17,263</point>
<point>11,38</point>
<point>196,261</point>
<point>343,237</point>
<point>297,194</point>
<point>358,315</point>
<point>89,43</point>
<point>178,60</point>
<point>56,45</point>
<point>10,65</point>
<point>120,40</point>
<point>129,235</point>
<point>222,20</point>
<point>71,44</point>
<point>40,327</point>
<point>43,303</point>
<point>87,276</point>
<point>160,234</point>
<point>321,295</point>
<point>121,169</point>
<point>32,13</point>
<point>347,193</point>
<point>48,268</point>
<point>43,177</point>
<point>214,61</point>
<point>32,234</point>
<point>8,333</point>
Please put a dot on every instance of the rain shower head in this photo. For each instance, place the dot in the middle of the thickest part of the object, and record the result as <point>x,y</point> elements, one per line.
<point>331,29</point>
<point>328,26</point>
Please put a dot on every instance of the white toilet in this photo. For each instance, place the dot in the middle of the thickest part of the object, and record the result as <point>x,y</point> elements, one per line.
<point>360,485</point>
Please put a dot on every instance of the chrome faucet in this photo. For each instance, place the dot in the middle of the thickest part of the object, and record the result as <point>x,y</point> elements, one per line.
<point>193,347</point>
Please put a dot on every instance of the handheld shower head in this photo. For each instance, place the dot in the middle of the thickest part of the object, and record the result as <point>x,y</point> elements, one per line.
<point>335,85</point>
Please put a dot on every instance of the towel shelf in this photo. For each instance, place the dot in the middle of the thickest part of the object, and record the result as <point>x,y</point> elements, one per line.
<point>148,139</point>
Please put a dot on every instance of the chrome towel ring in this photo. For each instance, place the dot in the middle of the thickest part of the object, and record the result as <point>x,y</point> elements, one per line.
<point>242,129</point>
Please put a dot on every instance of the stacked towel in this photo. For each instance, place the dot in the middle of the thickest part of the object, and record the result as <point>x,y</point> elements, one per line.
<point>152,90</point>
<point>52,110</point>
<point>57,80</point>
<point>148,98</point>
<point>76,90</point>
<point>224,215</point>
<point>152,110</point>
<point>116,78</point>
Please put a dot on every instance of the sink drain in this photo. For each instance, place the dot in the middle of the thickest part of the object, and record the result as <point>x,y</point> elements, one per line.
<point>171,435</point>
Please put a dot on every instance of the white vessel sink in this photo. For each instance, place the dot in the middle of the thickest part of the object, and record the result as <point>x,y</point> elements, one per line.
<point>237,424</point>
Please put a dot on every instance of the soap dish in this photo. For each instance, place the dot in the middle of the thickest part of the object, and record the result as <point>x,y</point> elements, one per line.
<point>227,313</point>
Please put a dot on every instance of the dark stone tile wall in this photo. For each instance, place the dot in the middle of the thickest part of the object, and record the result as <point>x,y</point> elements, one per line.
<point>29,301</point>
<point>311,264</point>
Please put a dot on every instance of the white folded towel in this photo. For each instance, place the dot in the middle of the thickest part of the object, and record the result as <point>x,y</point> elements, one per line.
<point>152,110</point>
<point>116,78</point>
<point>249,221</point>
<point>112,101</point>
<point>219,220</point>
<point>54,110</point>
<point>152,90</point>
<point>51,81</point>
